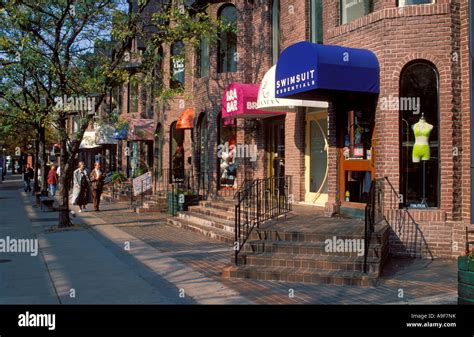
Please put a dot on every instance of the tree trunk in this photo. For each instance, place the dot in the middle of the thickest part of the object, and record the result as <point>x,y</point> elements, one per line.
<point>35,168</point>
<point>67,168</point>
<point>43,159</point>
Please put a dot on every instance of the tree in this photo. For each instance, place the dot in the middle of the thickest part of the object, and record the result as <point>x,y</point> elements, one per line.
<point>55,40</point>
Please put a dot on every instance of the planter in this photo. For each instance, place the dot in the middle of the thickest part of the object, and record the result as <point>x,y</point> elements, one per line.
<point>174,206</point>
<point>465,280</point>
<point>172,203</point>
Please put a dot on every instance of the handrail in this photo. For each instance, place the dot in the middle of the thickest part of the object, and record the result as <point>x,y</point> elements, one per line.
<point>259,201</point>
<point>374,214</point>
<point>404,219</point>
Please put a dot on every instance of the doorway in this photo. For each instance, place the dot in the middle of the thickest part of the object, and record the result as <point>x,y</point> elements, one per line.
<point>316,158</point>
<point>276,147</point>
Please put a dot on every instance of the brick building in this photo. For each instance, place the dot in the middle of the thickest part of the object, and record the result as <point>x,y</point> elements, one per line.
<point>329,149</point>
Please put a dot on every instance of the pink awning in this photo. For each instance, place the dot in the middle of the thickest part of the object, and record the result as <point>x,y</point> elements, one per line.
<point>141,129</point>
<point>240,101</point>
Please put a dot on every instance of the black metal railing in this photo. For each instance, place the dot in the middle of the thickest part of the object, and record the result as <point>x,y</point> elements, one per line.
<point>257,201</point>
<point>406,229</point>
<point>374,214</point>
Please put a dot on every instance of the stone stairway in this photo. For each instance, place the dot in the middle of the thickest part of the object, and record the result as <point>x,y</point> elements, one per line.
<point>214,219</point>
<point>157,202</point>
<point>286,251</point>
<point>116,193</point>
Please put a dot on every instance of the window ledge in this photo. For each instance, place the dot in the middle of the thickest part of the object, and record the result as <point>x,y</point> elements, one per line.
<point>390,13</point>
<point>429,214</point>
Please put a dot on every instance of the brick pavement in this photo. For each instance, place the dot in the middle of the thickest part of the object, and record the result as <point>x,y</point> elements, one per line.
<point>418,280</point>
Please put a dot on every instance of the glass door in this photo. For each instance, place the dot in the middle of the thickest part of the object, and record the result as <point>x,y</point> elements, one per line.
<point>316,159</point>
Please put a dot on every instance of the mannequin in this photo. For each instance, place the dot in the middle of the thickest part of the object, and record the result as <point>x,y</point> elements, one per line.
<point>421,149</point>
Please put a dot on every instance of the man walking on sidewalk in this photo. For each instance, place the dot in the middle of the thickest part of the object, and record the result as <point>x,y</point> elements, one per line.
<point>27,176</point>
<point>97,179</point>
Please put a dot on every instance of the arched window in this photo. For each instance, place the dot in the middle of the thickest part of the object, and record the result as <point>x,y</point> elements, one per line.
<point>275,30</point>
<point>158,149</point>
<point>419,113</point>
<point>176,153</point>
<point>227,58</point>
<point>202,149</point>
<point>177,65</point>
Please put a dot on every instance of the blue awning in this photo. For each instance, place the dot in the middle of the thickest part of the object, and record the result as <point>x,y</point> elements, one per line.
<point>313,71</point>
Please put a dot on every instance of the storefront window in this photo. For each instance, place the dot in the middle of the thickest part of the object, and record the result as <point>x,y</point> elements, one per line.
<point>414,2</point>
<point>228,41</point>
<point>227,164</point>
<point>356,156</point>
<point>202,58</point>
<point>419,113</point>
<point>354,9</point>
<point>316,21</point>
<point>176,153</point>
<point>177,65</point>
<point>275,30</point>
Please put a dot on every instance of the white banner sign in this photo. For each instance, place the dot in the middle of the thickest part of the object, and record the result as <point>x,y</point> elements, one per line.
<point>142,184</point>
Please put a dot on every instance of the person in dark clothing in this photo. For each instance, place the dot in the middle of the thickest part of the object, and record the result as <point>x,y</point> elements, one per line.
<point>28,174</point>
<point>81,187</point>
<point>97,180</point>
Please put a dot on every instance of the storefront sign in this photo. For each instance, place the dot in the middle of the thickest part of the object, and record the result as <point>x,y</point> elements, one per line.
<point>142,184</point>
<point>240,101</point>
<point>268,102</point>
<point>305,67</point>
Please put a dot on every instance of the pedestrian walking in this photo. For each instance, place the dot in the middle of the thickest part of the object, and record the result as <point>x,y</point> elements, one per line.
<point>52,180</point>
<point>81,187</point>
<point>97,180</point>
<point>26,178</point>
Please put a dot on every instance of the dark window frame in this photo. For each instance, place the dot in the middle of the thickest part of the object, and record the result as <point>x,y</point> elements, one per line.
<point>227,63</point>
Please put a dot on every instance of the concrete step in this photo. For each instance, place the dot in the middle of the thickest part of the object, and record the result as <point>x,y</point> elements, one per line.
<point>152,203</point>
<point>228,205</point>
<point>157,197</point>
<point>208,231</point>
<point>276,235</point>
<point>212,212</point>
<point>307,248</point>
<point>209,221</point>
<point>301,275</point>
<point>318,262</point>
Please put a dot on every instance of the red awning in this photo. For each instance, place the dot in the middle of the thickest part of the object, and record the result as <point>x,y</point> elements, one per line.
<point>141,129</point>
<point>240,101</point>
<point>186,119</point>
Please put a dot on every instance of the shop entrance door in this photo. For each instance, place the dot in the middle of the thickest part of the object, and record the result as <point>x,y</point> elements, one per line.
<point>276,148</point>
<point>316,158</point>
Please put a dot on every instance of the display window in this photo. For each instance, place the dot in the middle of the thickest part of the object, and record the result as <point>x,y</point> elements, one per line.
<point>419,124</point>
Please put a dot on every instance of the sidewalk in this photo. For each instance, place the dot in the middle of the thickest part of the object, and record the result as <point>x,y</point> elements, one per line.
<point>91,265</point>
<point>405,281</point>
<point>24,279</point>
